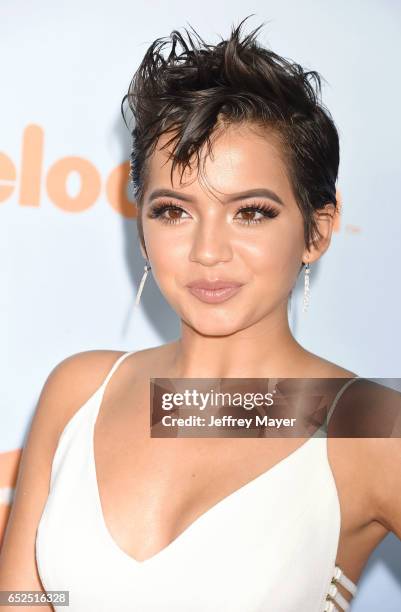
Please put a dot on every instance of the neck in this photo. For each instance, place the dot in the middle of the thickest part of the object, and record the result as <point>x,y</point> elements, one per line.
<point>265,349</point>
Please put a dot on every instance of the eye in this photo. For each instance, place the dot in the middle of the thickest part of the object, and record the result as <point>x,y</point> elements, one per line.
<point>170,213</point>
<point>159,212</point>
<point>266,211</point>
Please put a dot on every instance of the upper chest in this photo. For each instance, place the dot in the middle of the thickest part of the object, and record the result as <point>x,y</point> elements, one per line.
<point>165,485</point>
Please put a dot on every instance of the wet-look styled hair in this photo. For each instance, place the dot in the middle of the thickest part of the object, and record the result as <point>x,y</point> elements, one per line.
<point>195,92</point>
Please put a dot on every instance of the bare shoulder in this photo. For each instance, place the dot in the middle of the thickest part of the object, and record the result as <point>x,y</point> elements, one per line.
<point>69,384</point>
<point>77,377</point>
<point>319,367</point>
<point>72,381</point>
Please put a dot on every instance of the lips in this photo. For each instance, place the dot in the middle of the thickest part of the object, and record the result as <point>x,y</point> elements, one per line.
<point>213,292</point>
<point>213,285</point>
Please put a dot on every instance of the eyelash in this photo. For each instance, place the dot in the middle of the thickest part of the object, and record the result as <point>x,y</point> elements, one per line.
<point>158,210</point>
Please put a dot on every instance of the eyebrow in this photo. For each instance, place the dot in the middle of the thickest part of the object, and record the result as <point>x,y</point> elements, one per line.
<point>249,193</point>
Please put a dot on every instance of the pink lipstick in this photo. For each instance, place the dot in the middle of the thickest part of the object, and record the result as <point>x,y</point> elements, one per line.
<point>214,292</point>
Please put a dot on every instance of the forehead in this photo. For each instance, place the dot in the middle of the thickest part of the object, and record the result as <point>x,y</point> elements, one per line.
<point>241,158</point>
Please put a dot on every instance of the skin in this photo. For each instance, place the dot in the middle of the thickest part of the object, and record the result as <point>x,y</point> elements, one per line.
<point>152,490</point>
<point>249,334</point>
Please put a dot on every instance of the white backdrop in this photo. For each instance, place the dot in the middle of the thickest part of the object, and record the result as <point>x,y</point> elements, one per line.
<point>70,260</point>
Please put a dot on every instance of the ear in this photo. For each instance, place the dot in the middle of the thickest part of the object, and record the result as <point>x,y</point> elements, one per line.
<point>325,222</point>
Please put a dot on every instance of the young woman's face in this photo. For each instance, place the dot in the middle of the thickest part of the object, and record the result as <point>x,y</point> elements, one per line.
<point>196,237</point>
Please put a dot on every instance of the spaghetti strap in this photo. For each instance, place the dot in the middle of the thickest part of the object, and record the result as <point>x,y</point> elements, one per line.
<point>339,394</point>
<point>113,369</point>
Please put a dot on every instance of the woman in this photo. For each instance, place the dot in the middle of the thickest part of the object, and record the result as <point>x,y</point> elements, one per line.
<point>124,521</point>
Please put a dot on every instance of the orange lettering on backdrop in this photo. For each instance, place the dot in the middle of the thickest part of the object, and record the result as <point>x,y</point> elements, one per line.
<point>116,187</point>
<point>57,184</point>
<point>7,174</point>
<point>116,190</point>
<point>31,166</point>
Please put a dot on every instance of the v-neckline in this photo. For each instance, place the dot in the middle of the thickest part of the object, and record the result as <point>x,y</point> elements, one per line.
<point>186,533</point>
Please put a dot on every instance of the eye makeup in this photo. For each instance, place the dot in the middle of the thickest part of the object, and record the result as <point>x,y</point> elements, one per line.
<point>158,211</point>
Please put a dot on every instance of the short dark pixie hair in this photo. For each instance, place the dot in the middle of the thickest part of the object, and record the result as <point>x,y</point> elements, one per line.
<point>205,87</point>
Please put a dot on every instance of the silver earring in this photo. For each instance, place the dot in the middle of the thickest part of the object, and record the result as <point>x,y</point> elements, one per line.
<point>142,283</point>
<point>306,288</point>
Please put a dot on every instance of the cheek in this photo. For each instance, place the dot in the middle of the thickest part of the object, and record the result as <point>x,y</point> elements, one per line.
<point>166,254</point>
<point>269,257</point>
<point>276,252</point>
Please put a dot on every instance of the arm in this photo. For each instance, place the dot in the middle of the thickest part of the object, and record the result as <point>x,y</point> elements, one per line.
<point>67,387</point>
<point>386,464</point>
<point>387,483</point>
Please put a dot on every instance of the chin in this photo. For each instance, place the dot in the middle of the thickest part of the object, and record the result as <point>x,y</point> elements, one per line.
<point>212,325</point>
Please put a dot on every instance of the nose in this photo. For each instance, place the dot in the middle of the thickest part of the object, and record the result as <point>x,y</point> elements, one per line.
<point>211,243</point>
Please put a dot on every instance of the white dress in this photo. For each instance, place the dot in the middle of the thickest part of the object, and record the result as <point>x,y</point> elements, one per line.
<point>270,546</point>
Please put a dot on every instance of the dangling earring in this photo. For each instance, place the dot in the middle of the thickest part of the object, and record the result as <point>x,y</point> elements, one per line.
<point>306,288</point>
<point>147,267</point>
